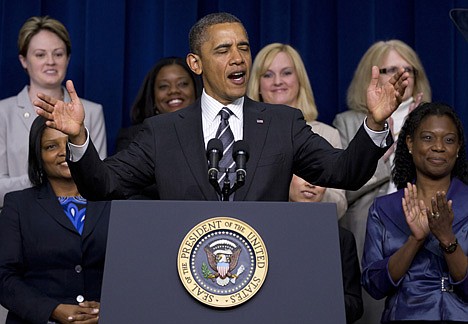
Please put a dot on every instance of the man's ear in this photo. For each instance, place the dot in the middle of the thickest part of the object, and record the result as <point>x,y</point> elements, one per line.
<point>194,62</point>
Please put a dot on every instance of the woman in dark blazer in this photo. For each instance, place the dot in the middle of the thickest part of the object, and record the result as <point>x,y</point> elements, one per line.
<point>52,241</point>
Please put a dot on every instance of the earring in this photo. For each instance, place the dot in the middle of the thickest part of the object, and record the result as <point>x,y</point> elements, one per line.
<point>410,152</point>
<point>41,175</point>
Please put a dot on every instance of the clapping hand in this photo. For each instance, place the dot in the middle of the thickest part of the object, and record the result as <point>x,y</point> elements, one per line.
<point>441,218</point>
<point>415,213</point>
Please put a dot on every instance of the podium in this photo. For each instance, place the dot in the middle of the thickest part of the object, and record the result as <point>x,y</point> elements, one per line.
<point>141,282</point>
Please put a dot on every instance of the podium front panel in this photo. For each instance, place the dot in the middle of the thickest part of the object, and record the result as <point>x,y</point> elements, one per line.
<point>141,281</point>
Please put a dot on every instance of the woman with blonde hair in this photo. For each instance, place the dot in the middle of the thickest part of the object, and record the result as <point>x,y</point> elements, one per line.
<point>279,77</point>
<point>388,56</point>
<point>376,55</point>
<point>304,100</point>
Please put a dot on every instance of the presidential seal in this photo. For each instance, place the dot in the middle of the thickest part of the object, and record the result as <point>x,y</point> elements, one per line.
<point>222,262</point>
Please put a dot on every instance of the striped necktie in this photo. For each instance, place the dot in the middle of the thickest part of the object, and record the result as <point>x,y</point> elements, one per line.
<point>226,136</point>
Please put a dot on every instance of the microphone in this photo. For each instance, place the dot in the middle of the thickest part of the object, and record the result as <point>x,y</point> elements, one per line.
<point>241,155</point>
<point>214,153</point>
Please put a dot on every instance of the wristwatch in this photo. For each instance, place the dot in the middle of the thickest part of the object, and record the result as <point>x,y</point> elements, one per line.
<point>449,249</point>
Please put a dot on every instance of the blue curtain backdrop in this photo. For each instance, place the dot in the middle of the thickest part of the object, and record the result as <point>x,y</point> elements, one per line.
<point>115,42</point>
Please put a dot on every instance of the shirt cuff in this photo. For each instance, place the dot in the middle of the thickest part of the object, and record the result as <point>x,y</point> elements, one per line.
<point>379,138</point>
<point>77,151</point>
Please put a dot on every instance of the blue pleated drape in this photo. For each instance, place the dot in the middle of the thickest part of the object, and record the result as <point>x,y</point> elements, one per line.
<point>115,42</point>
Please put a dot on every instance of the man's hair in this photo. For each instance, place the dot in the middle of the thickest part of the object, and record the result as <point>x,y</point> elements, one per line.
<point>197,34</point>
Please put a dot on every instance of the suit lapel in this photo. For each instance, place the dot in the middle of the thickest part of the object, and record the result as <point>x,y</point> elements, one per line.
<point>256,125</point>
<point>393,212</point>
<point>25,109</point>
<point>190,136</point>
<point>48,201</point>
<point>458,192</point>
<point>94,211</point>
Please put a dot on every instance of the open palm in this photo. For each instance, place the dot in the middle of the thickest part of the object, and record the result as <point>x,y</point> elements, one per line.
<point>415,213</point>
<point>67,117</point>
<point>382,100</point>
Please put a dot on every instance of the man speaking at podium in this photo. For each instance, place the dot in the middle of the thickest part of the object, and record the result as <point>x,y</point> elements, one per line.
<point>170,151</point>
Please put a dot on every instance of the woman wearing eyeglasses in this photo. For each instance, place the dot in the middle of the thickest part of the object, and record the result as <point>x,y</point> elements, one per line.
<point>388,56</point>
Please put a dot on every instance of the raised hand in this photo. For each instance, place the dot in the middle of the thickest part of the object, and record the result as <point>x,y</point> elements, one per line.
<point>384,99</point>
<point>415,213</point>
<point>65,117</point>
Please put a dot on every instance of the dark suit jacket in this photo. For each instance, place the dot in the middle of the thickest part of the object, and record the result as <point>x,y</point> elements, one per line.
<point>126,136</point>
<point>43,259</point>
<point>170,152</point>
<point>351,276</point>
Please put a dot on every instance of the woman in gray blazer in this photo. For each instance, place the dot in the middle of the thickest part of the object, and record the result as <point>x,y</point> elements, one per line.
<point>44,52</point>
<point>387,56</point>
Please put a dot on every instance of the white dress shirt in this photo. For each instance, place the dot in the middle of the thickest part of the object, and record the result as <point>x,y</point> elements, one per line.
<point>211,117</point>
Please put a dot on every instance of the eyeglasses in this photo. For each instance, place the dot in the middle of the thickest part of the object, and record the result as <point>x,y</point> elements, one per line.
<point>393,69</point>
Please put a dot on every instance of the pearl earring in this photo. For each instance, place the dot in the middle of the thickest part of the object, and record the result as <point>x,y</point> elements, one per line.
<point>410,152</point>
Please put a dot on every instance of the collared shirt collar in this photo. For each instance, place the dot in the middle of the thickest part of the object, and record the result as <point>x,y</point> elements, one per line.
<point>211,107</point>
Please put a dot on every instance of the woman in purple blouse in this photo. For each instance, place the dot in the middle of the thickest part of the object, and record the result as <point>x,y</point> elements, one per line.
<point>417,238</point>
